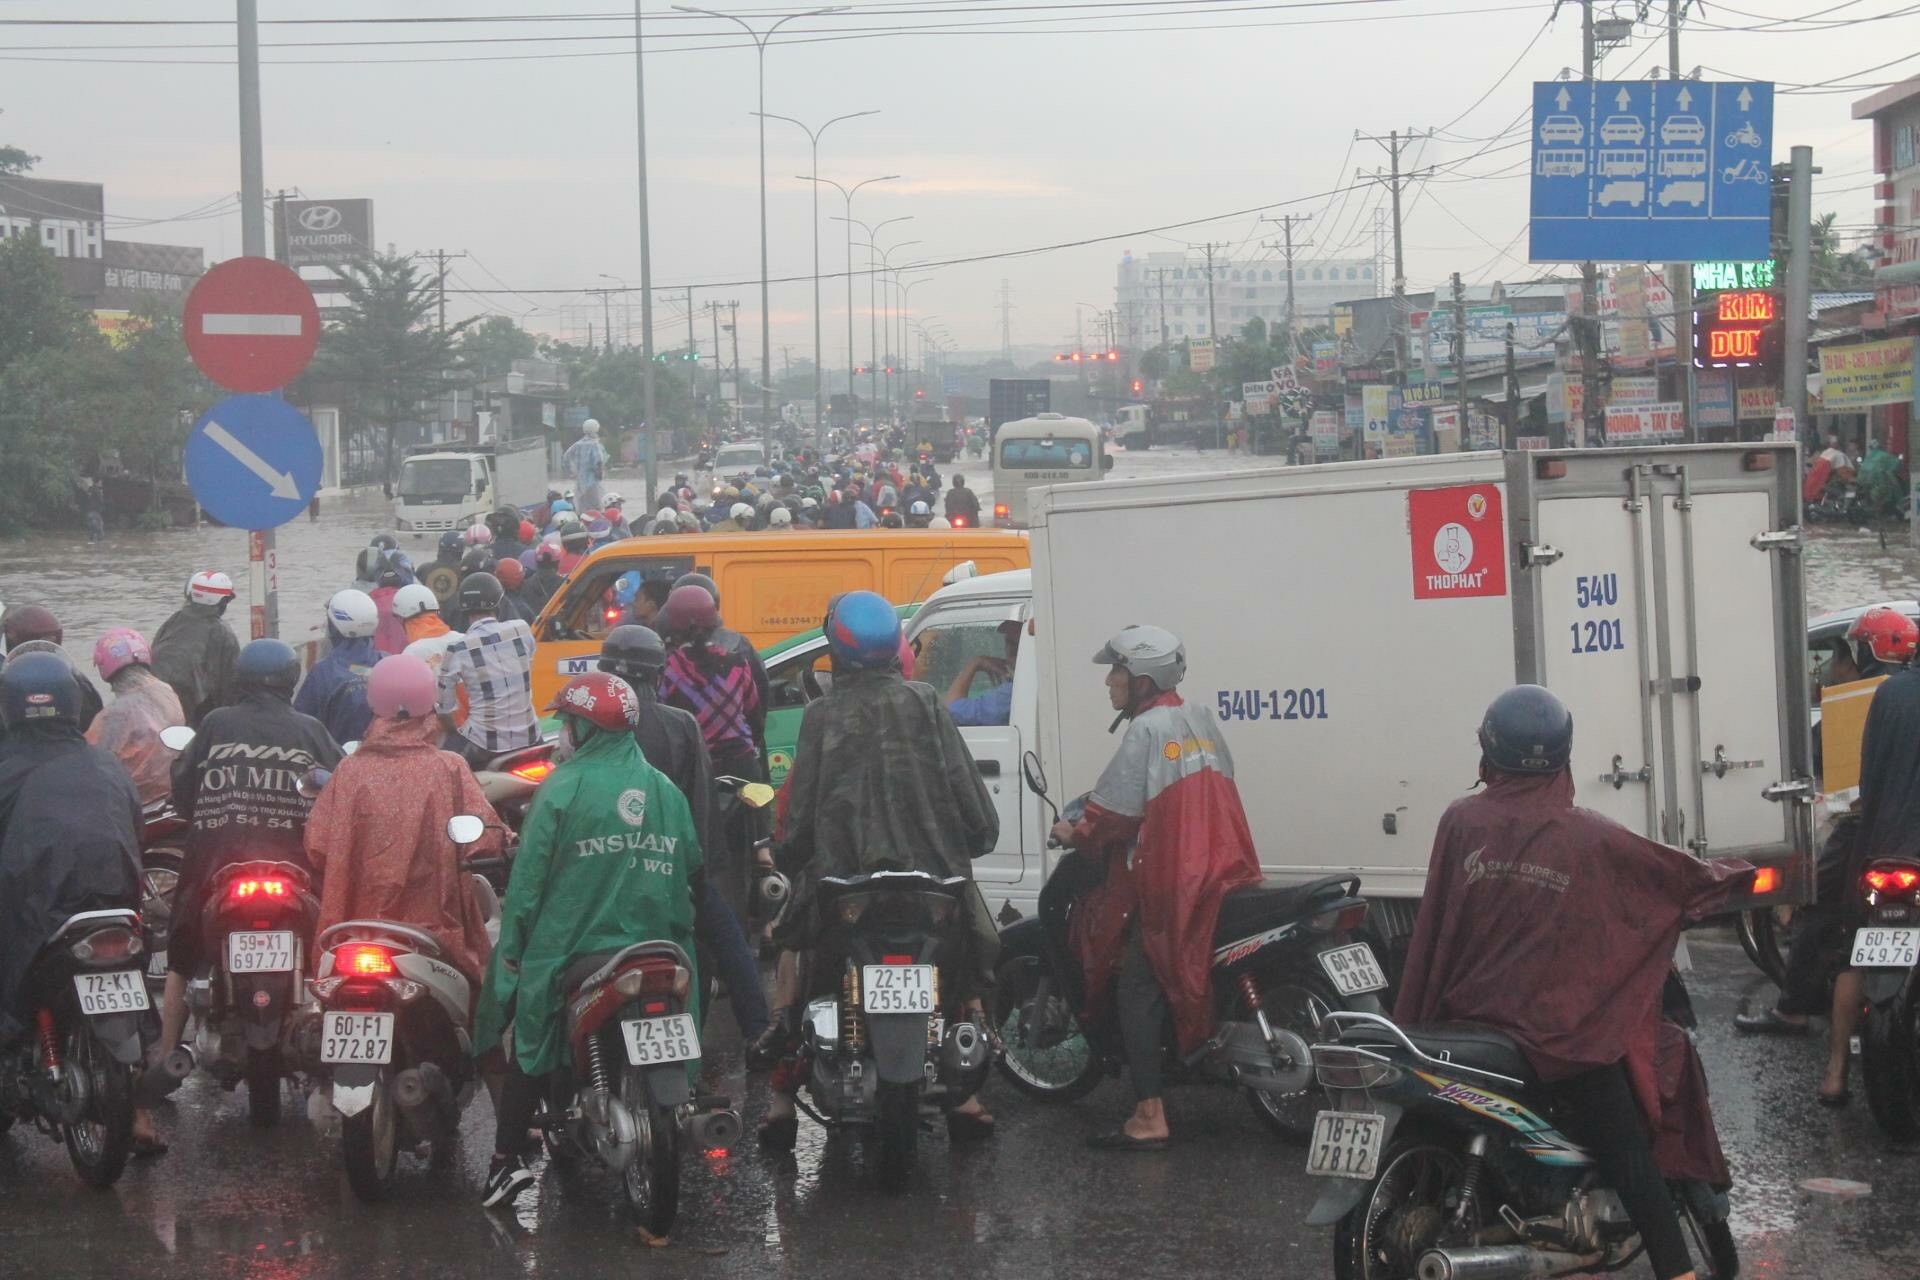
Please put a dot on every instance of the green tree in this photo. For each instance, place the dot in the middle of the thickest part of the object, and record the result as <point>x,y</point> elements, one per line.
<point>384,354</point>
<point>14,160</point>
<point>40,329</point>
<point>488,348</point>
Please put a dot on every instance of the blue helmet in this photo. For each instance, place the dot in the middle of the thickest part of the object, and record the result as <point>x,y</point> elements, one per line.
<point>626,587</point>
<point>38,688</point>
<point>269,665</point>
<point>1527,730</point>
<point>863,630</point>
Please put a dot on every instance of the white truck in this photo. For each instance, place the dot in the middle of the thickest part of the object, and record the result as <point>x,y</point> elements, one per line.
<point>1349,623</point>
<point>449,488</point>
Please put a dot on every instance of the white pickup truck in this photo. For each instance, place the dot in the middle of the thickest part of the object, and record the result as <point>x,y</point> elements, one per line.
<point>444,487</point>
<point>1348,624</point>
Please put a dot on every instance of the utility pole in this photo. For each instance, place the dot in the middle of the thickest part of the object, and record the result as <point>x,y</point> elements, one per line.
<point>692,351</point>
<point>1798,297</point>
<point>1680,274</point>
<point>262,559</point>
<point>606,317</point>
<point>1393,142</point>
<point>1512,433</point>
<point>1213,336</point>
<point>649,390</point>
<point>439,257</point>
<point>1592,423</point>
<point>719,393</point>
<point>1459,356</point>
<point>733,327</point>
<point>1006,320</point>
<point>1160,278</point>
<point>1286,222</point>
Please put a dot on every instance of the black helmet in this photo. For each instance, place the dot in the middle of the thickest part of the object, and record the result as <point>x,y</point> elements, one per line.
<point>478,559</point>
<point>1527,730</point>
<point>38,688</point>
<point>481,593</point>
<point>505,522</point>
<point>573,534</point>
<point>371,561</point>
<point>452,543</point>
<point>634,653</point>
<point>701,581</point>
<point>386,542</point>
<point>268,665</point>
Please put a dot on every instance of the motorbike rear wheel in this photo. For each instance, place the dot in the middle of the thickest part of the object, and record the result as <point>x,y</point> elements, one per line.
<point>1059,1072</point>
<point>98,1145</point>
<point>1890,1063</point>
<point>1760,931</point>
<point>1294,999</point>
<point>370,1146</point>
<point>1403,1212</point>
<point>651,1181</point>
<point>897,1128</point>
<point>263,1088</point>
<point>160,869</point>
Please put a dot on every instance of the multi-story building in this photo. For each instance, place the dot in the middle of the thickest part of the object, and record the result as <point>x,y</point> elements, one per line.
<point>1170,290</point>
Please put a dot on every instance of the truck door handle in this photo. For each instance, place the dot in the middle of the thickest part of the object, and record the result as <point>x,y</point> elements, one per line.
<point>988,768</point>
<point>1621,775</point>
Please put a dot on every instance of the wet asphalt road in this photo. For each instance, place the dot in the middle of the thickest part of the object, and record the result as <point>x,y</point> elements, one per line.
<point>1226,1198</point>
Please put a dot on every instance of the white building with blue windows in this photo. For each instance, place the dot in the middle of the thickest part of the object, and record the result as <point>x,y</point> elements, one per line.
<point>1172,287</point>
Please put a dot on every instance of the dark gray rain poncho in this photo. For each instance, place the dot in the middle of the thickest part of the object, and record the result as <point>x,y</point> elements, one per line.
<point>69,842</point>
<point>882,780</point>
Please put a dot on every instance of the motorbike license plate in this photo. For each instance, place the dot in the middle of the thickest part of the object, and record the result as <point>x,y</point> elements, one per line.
<point>1353,969</point>
<point>1886,948</point>
<point>357,1037</point>
<point>123,991</point>
<point>897,988</point>
<point>1346,1144</point>
<point>651,1041</point>
<point>260,952</point>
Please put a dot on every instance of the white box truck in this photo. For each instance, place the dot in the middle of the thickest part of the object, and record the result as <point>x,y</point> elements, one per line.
<point>449,487</point>
<point>1349,623</point>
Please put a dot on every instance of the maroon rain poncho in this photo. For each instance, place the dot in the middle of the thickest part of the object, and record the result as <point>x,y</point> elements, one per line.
<point>1557,926</point>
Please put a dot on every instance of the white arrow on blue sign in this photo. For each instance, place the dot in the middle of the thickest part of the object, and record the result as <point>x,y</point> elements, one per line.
<point>253,462</point>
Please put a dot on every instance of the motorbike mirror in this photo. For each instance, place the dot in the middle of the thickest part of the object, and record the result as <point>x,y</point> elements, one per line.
<point>176,737</point>
<point>311,783</point>
<point>1036,780</point>
<point>757,795</point>
<point>348,748</point>
<point>465,828</point>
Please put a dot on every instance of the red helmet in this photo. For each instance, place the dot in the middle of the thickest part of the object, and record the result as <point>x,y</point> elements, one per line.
<point>1891,636</point>
<point>688,609</point>
<point>602,700</point>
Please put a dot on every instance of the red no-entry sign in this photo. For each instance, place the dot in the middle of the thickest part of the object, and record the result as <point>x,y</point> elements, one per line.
<point>252,324</point>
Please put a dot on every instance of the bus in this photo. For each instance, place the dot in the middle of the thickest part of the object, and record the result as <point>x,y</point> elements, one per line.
<point>1048,448</point>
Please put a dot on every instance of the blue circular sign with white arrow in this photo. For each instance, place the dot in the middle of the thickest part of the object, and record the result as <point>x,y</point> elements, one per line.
<point>253,462</point>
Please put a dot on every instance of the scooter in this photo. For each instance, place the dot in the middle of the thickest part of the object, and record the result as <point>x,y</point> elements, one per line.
<point>163,834</point>
<point>1886,949</point>
<point>1284,959</point>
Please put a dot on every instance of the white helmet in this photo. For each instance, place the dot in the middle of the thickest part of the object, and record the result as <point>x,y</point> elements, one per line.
<point>413,600</point>
<point>809,504</point>
<point>591,426</point>
<point>919,509</point>
<point>353,614</point>
<point>740,511</point>
<point>1153,652</point>
<point>939,522</point>
<point>667,513</point>
<point>781,518</point>
<point>612,500</point>
<point>209,586</point>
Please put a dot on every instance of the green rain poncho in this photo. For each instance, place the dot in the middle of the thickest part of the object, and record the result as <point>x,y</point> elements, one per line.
<point>605,860</point>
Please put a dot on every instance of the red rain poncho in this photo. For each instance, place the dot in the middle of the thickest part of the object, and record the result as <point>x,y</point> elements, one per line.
<point>1170,789</point>
<point>1558,926</point>
<point>378,837</point>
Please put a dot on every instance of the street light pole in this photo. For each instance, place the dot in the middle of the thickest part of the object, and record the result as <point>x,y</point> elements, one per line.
<point>847,193</point>
<point>906,292</point>
<point>873,329</point>
<point>886,268</point>
<point>649,401</point>
<point>760,40</point>
<point>819,354</point>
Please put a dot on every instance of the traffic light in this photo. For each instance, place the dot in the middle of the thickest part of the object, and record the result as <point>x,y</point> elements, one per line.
<point>862,369</point>
<point>1138,386</point>
<point>889,369</point>
<point>919,394</point>
<point>1113,357</point>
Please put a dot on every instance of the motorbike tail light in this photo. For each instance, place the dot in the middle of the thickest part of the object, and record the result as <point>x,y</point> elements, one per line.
<point>896,959</point>
<point>654,1007</point>
<point>1338,1067</point>
<point>653,979</point>
<point>613,613</point>
<point>959,522</point>
<point>1342,921</point>
<point>363,960</point>
<point>1766,880</point>
<point>532,770</point>
<point>107,946</point>
<point>263,887</point>
<point>1001,511</point>
<point>1891,879</point>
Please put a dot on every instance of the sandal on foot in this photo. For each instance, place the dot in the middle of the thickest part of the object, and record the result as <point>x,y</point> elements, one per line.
<point>1769,1022</point>
<point>1121,1140</point>
<point>968,1126</point>
<point>149,1148</point>
<point>1834,1100</point>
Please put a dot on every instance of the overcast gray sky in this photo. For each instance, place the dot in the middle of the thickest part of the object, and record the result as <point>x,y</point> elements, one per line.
<point>1015,124</point>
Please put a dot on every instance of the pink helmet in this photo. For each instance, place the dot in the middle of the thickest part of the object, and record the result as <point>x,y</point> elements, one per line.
<point>119,649</point>
<point>478,535</point>
<point>401,688</point>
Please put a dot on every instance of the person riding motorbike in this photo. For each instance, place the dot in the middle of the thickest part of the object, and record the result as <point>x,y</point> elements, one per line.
<point>670,740</point>
<point>1880,642</point>
<point>713,681</point>
<point>1557,926</point>
<point>962,502</point>
<point>919,514</point>
<point>366,568</point>
<point>493,662</point>
<point>505,523</point>
<point>335,690</point>
<point>194,651</point>
<point>28,623</point>
<point>143,704</point>
<point>881,781</point>
<point>237,785</point>
<point>378,832</point>
<point>575,542</point>
<point>545,578</point>
<point>396,571</point>
<point>1167,818</point>
<point>69,832</point>
<point>567,898</point>
<point>735,645</point>
<point>513,581</point>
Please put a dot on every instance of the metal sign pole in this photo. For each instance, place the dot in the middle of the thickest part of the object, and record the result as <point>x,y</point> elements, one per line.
<point>263,568</point>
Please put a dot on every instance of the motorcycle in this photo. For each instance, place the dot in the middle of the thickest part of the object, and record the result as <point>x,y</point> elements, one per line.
<point>163,855</point>
<point>72,1072</point>
<point>1283,959</point>
<point>1886,949</point>
<point>1440,1159</point>
<point>393,1044</point>
<point>509,781</point>
<point>626,1099</point>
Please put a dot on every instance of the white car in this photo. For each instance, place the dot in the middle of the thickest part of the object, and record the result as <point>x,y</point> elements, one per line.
<point>1562,129</point>
<point>1622,129</point>
<point>1682,129</point>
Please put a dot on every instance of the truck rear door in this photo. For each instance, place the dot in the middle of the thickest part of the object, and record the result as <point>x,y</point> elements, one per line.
<point>1667,610</point>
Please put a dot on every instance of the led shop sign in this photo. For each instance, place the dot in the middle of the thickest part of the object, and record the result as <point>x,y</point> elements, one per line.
<point>1730,333</point>
<point>1710,277</point>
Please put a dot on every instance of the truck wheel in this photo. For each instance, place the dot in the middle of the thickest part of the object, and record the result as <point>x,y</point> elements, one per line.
<point>1887,1061</point>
